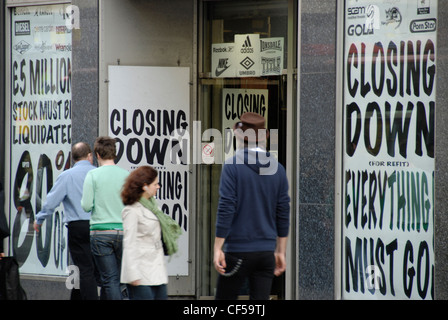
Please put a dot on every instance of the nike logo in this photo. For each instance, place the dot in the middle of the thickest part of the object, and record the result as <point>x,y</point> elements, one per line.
<point>220,71</point>
<point>222,67</point>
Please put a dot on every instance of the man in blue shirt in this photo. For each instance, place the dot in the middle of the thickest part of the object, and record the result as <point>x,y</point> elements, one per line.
<point>253,215</point>
<point>68,190</point>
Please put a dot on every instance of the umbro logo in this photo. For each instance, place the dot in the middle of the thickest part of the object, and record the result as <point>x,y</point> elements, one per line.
<point>247,63</point>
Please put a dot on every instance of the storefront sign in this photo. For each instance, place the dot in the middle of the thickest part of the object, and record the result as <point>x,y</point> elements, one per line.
<point>41,51</point>
<point>236,102</point>
<point>247,50</point>
<point>149,116</point>
<point>388,153</point>
<point>223,60</point>
<point>271,56</point>
<point>248,56</point>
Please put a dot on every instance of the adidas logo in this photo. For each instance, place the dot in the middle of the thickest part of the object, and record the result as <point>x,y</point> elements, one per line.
<point>247,42</point>
<point>247,46</point>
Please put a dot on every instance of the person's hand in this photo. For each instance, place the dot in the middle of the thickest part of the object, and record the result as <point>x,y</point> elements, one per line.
<point>280,256</point>
<point>219,261</point>
<point>2,254</point>
<point>280,264</point>
<point>135,283</point>
<point>36,226</point>
<point>219,258</point>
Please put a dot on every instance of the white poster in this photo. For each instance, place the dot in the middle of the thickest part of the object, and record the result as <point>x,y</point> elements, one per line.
<point>223,60</point>
<point>247,50</point>
<point>248,56</point>
<point>236,102</point>
<point>388,163</point>
<point>271,55</point>
<point>41,50</point>
<point>149,115</point>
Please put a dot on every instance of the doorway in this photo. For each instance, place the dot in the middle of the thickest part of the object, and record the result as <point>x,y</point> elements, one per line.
<point>224,25</point>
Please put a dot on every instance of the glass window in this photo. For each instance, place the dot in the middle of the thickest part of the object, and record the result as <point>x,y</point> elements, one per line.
<point>388,150</point>
<point>246,25</point>
<point>40,118</point>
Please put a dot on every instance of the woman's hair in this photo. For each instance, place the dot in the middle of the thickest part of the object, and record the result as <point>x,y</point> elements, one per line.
<point>132,188</point>
<point>105,147</point>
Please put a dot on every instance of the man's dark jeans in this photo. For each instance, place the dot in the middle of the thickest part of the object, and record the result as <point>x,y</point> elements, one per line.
<point>257,267</point>
<point>107,247</point>
<point>80,251</point>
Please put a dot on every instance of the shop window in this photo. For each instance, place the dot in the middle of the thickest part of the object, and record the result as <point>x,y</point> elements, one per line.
<point>388,150</point>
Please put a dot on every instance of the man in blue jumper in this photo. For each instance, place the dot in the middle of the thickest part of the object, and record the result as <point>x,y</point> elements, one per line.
<point>253,215</point>
<point>68,190</point>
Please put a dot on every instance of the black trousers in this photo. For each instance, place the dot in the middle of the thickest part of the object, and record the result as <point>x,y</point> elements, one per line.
<point>256,267</point>
<point>79,246</point>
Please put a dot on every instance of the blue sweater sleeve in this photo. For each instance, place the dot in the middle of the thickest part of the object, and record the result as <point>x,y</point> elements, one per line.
<point>228,201</point>
<point>283,208</point>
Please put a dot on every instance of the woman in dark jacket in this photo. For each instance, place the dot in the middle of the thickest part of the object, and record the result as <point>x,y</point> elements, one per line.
<point>4,230</point>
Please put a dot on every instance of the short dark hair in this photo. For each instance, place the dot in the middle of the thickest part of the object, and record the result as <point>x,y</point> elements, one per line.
<point>105,147</point>
<point>132,188</point>
<point>80,151</point>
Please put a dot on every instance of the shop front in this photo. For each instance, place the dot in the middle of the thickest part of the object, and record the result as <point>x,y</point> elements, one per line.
<point>247,65</point>
<point>352,93</point>
<point>388,176</point>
